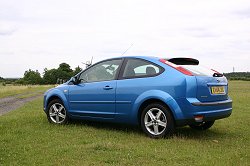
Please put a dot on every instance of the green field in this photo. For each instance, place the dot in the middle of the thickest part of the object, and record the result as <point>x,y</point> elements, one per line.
<point>28,139</point>
<point>11,90</point>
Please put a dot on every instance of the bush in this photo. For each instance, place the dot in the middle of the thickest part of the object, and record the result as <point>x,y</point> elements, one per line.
<point>245,76</point>
<point>52,76</point>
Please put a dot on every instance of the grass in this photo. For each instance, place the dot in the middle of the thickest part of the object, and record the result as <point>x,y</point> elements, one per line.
<point>28,139</point>
<point>11,90</point>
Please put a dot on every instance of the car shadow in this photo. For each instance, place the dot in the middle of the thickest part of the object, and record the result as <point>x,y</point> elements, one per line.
<point>108,126</point>
<point>189,133</point>
<point>180,132</point>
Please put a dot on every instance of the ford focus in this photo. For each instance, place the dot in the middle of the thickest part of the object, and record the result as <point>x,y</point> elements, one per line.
<point>156,94</point>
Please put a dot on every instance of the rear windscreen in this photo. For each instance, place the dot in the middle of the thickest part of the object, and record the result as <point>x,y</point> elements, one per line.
<point>193,66</point>
<point>198,70</point>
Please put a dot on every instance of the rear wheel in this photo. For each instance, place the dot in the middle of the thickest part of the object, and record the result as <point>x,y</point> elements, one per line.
<point>157,121</point>
<point>57,113</point>
<point>202,125</point>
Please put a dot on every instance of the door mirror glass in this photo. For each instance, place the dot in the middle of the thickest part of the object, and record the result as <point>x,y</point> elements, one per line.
<point>73,80</point>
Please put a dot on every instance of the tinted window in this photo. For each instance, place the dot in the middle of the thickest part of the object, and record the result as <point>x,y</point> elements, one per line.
<point>199,70</point>
<point>103,71</point>
<point>193,66</point>
<point>140,68</point>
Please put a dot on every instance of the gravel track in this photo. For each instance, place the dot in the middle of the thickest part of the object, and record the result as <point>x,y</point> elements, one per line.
<point>8,104</point>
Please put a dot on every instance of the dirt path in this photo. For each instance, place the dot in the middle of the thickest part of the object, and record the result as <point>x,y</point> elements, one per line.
<point>8,104</point>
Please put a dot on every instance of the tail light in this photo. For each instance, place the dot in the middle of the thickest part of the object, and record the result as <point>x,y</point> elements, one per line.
<point>179,68</point>
<point>198,118</point>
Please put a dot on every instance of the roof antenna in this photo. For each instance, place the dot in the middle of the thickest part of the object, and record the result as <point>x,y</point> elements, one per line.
<point>91,60</point>
<point>127,49</point>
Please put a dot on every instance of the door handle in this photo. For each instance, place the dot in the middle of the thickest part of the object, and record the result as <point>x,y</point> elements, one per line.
<point>107,87</point>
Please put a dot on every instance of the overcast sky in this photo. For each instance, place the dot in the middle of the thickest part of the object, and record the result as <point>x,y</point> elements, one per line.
<point>35,34</point>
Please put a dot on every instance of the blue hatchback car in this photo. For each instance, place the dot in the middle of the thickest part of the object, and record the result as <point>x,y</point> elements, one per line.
<point>157,94</point>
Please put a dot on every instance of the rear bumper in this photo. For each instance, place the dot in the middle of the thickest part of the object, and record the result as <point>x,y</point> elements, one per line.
<point>209,110</point>
<point>229,101</point>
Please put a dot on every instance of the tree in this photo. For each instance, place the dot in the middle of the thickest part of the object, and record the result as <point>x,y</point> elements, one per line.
<point>32,77</point>
<point>65,67</point>
<point>50,76</point>
<point>63,72</point>
<point>77,70</point>
<point>2,81</point>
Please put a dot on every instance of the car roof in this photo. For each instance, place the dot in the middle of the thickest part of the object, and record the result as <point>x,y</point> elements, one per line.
<point>142,57</point>
<point>175,60</point>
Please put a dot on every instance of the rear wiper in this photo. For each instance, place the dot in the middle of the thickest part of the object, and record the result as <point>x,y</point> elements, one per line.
<point>217,75</point>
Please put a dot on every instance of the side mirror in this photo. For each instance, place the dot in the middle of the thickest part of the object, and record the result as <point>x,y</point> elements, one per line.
<point>73,80</point>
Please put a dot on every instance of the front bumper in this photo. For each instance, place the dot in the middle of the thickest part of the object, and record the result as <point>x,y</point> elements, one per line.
<point>44,102</point>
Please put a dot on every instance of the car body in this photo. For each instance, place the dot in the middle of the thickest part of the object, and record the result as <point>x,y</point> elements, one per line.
<point>146,91</point>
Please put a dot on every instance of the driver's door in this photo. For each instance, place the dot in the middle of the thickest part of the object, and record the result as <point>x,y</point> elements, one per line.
<point>94,96</point>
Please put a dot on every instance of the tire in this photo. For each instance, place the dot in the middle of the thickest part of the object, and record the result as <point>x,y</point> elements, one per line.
<point>157,121</point>
<point>57,113</point>
<point>202,126</point>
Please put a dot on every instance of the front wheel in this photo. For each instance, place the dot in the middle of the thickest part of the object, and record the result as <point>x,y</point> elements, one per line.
<point>157,121</point>
<point>57,113</point>
<point>202,125</point>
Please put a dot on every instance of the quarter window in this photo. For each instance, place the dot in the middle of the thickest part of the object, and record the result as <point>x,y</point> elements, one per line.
<point>103,71</point>
<point>140,68</point>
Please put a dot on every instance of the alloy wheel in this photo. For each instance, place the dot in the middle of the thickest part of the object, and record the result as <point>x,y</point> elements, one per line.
<point>57,113</point>
<point>155,121</point>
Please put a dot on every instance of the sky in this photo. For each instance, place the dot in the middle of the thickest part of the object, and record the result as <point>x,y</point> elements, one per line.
<point>35,34</point>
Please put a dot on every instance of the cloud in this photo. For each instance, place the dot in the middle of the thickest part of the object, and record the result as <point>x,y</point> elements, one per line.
<point>8,18</point>
<point>244,13</point>
<point>41,35</point>
<point>7,28</point>
<point>201,32</point>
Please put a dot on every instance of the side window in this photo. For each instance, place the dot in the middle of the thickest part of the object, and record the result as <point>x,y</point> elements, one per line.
<point>140,68</point>
<point>103,71</point>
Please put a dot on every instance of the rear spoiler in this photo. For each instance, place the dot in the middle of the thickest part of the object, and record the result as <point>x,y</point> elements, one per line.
<point>183,61</point>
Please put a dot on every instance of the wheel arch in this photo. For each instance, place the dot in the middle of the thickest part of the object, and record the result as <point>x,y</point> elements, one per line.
<point>54,97</point>
<point>57,94</point>
<point>156,96</point>
<point>149,101</point>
